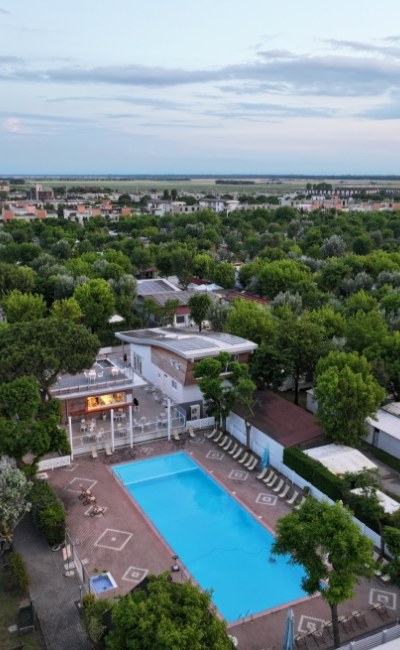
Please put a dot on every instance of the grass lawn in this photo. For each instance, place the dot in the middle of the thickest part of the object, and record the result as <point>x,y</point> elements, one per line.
<point>8,616</point>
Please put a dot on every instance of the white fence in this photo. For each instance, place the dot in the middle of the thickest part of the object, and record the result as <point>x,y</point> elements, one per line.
<point>53,463</point>
<point>375,640</point>
<point>202,423</point>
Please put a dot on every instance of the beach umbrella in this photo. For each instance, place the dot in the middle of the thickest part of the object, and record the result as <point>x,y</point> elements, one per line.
<point>265,458</point>
<point>288,638</point>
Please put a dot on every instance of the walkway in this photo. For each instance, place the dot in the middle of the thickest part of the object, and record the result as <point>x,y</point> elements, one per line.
<point>52,593</point>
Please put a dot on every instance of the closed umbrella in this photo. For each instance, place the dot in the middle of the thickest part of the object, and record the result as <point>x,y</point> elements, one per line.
<point>288,638</point>
<point>265,458</point>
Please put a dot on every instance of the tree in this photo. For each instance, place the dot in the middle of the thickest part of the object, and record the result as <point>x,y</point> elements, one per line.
<point>324,540</point>
<point>365,333</point>
<point>217,316</point>
<point>334,246</point>
<point>182,263</point>
<point>16,277</point>
<point>44,349</point>
<point>199,305</point>
<point>251,321</point>
<point>169,311</point>
<point>97,301</point>
<point>14,489</point>
<point>391,537</point>
<point>166,615</point>
<point>20,306</point>
<point>67,309</point>
<point>347,393</point>
<point>223,383</point>
<point>223,273</point>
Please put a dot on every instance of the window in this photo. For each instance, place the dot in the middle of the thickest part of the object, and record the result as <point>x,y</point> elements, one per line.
<point>180,319</point>
<point>137,363</point>
<point>174,384</point>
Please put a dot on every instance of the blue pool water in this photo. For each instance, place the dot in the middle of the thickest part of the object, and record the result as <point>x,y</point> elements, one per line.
<point>221,544</point>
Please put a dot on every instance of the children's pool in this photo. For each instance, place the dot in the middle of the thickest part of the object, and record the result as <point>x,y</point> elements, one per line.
<point>222,545</point>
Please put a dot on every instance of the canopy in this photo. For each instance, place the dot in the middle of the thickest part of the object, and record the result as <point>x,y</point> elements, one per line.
<point>340,459</point>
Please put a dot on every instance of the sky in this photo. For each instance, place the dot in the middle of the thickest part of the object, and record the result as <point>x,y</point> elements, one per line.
<point>200,87</point>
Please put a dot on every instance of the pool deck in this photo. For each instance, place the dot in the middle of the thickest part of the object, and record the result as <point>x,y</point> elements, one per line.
<point>123,542</point>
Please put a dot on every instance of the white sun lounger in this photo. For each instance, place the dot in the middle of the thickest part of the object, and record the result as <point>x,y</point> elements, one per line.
<point>272,481</point>
<point>237,453</point>
<point>284,492</point>
<point>243,459</point>
<point>252,465</point>
<point>263,472</point>
<point>298,505</point>
<point>219,436</point>
<point>228,444</point>
<point>234,448</point>
<point>223,441</point>
<point>93,451</point>
<point>292,498</point>
<point>212,434</point>
<point>269,477</point>
<point>279,485</point>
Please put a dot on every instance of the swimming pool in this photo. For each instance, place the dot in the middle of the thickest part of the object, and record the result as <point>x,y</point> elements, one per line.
<point>220,543</point>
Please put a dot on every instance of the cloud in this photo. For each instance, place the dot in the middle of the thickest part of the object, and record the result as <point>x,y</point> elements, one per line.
<point>37,117</point>
<point>384,111</point>
<point>357,46</point>
<point>4,11</point>
<point>12,125</point>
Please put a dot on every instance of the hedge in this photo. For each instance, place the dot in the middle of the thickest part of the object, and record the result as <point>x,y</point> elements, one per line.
<point>314,472</point>
<point>48,512</point>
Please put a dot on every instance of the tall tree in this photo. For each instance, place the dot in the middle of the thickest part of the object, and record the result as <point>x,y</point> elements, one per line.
<point>347,393</point>
<point>334,553</point>
<point>199,305</point>
<point>251,321</point>
<point>97,301</point>
<point>20,306</point>
<point>14,489</point>
<point>166,615</point>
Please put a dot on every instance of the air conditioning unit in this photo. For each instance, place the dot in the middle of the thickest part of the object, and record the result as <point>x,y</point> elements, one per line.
<point>195,411</point>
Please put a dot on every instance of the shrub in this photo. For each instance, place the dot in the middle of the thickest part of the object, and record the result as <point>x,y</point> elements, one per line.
<point>314,472</point>
<point>48,512</point>
<point>93,610</point>
<point>19,573</point>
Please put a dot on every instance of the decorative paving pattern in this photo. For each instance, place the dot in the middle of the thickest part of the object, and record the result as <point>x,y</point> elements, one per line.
<point>267,499</point>
<point>215,455</point>
<point>88,511</point>
<point>73,486</point>
<point>309,623</point>
<point>238,474</point>
<point>381,597</point>
<point>115,540</point>
<point>135,574</point>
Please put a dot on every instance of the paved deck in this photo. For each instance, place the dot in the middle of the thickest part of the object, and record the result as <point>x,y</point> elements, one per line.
<point>124,543</point>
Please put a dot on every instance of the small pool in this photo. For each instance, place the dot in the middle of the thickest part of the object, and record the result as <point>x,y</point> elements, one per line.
<point>222,545</point>
<point>104,363</point>
<point>103,582</point>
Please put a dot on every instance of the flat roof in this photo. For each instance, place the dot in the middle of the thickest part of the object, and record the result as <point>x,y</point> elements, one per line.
<point>389,505</point>
<point>340,459</point>
<point>386,422</point>
<point>158,285</point>
<point>187,343</point>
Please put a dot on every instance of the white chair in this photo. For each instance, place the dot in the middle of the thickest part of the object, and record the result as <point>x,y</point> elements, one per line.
<point>250,460</point>
<point>223,440</point>
<point>252,465</point>
<point>279,486</point>
<point>233,449</point>
<point>237,453</point>
<point>262,474</point>
<point>284,492</point>
<point>272,481</point>
<point>243,459</point>
<point>293,498</point>
<point>228,445</point>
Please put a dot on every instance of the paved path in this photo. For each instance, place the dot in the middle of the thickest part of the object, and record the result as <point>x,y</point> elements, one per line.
<point>52,593</point>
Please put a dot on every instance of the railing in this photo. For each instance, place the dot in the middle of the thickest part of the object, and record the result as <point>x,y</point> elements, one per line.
<point>86,386</point>
<point>201,423</point>
<point>53,463</point>
<point>374,640</point>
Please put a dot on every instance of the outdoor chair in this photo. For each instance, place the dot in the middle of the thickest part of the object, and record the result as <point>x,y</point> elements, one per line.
<point>381,610</point>
<point>243,459</point>
<point>273,481</point>
<point>328,627</point>
<point>219,436</point>
<point>233,449</point>
<point>300,640</point>
<point>359,618</point>
<point>318,636</point>
<point>252,465</point>
<point>346,623</point>
<point>269,476</point>
<point>293,498</point>
<point>298,505</point>
<point>175,435</point>
<point>93,451</point>
<point>237,453</point>
<point>250,461</point>
<point>263,472</point>
<point>284,492</point>
<point>228,444</point>
<point>191,433</point>
<point>84,493</point>
<point>212,433</point>
<point>96,510</point>
<point>108,450</point>
<point>223,441</point>
<point>279,485</point>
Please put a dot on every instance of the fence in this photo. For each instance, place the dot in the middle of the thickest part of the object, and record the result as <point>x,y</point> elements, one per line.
<point>53,463</point>
<point>374,640</point>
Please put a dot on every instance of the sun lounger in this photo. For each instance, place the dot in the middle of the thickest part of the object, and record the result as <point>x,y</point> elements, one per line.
<point>237,453</point>
<point>219,436</point>
<point>175,435</point>
<point>108,450</point>
<point>223,441</point>
<point>284,492</point>
<point>212,434</point>
<point>252,464</point>
<point>359,618</point>
<point>273,479</point>
<point>269,476</point>
<point>298,505</point>
<point>381,610</point>
<point>228,444</point>
<point>249,460</point>
<point>278,487</point>
<point>233,449</point>
<point>261,475</point>
<point>191,433</point>
<point>293,498</point>
<point>243,459</point>
<point>94,453</point>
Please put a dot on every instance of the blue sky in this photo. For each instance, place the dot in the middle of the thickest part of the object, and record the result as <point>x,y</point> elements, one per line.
<point>200,86</point>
